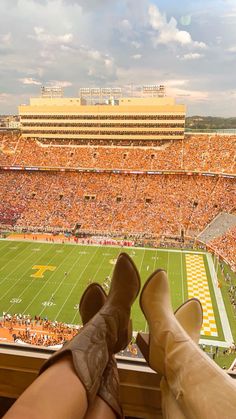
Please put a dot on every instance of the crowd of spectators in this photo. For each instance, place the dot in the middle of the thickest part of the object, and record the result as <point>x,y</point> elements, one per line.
<point>37,331</point>
<point>225,247</point>
<point>152,204</point>
<point>118,203</point>
<point>204,153</point>
<point>25,329</point>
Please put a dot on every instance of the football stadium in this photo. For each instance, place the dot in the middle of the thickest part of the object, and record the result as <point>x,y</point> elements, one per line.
<point>83,181</point>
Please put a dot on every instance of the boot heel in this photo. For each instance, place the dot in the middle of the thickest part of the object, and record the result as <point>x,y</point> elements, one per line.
<point>127,337</point>
<point>130,331</point>
<point>142,341</point>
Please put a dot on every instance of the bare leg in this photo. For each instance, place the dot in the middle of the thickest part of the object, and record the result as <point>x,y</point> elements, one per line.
<point>100,410</point>
<point>56,394</point>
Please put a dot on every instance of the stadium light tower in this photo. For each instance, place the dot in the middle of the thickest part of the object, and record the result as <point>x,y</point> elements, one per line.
<point>154,90</point>
<point>51,92</point>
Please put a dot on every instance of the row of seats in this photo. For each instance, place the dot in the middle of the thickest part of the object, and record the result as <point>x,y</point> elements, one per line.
<point>204,153</point>
<point>225,246</point>
<point>148,204</point>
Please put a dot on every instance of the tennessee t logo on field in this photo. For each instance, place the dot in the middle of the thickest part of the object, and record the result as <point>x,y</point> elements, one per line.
<point>41,269</point>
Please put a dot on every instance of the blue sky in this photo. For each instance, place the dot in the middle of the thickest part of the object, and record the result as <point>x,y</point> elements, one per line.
<point>190,46</point>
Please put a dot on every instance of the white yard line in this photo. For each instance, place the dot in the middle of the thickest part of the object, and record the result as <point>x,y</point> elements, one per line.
<point>10,273</point>
<point>3,247</point>
<point>155,262</point>
<point>95,275</point>
<point>54,273</point>
<point>62,282</point>
<point>168,260</point>
<point>221,307</point>
<point>76,283</point>
<point>142,260</point>
<point>11,260</point>
<point>22,293</point>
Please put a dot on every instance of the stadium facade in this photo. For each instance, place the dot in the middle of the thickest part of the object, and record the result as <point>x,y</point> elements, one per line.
<point>136,120</point>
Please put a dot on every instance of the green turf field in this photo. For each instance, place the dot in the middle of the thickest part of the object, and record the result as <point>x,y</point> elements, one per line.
<point>48,279</point>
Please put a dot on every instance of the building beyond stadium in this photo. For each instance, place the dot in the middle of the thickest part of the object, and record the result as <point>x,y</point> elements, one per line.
<point>133,119</point>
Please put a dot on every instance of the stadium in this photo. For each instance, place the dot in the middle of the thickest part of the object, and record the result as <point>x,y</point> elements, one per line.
<point>81,182</point>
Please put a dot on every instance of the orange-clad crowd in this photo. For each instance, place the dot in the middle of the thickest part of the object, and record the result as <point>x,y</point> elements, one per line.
<point>25,329</point>
<point>204,153</point>
<point>108,202</point>
<point>36,331</point>
<point>225,246</point>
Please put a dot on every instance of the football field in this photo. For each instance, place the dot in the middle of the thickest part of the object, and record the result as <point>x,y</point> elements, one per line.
<point>48,280</point>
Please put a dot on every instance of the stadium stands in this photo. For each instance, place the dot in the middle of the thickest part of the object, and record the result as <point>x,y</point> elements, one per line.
<point>225,247</point>
<point>113,202</point>
<point>204,153</point>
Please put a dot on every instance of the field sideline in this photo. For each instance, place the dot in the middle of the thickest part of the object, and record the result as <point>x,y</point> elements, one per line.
<point>48,279</point>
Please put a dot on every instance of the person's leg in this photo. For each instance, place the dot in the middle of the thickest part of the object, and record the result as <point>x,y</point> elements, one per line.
<point>201,388</point>
<point>100,410</point>
<point>92,300</point>
<point>107,332</point>
<point>73,374</point>
<point>190,316</point>
<point>55,394</point>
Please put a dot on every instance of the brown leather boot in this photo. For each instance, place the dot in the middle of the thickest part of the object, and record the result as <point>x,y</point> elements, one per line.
<point>201,388</point>
<point>92,300</point>
<point>107,332</point>
<point>190,316</point>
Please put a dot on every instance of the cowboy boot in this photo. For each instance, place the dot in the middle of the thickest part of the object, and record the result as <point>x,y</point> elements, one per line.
<point>106,333</point>
<point>190,316</point>
<point>92,300</point>
<point>202,389</point>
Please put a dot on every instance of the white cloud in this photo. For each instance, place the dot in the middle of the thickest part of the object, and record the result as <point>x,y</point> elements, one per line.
<point>168,32</point>
<point>175,82</point>
<point>136,44</point>
<point>94,54</point>
<point>66,38</point>
<point>125,24</point>
<point>136,56</point>
<point>192,56</point>
<point>191,95</point>
<point>50,39</point>
<point>4,97</point>
<point>179,88</point>
<point>30,80</point>
<point>185,20</point>
<point>108,62</point>
<point>5,39</point>
<point>64,83</point>
<point>232,49</point>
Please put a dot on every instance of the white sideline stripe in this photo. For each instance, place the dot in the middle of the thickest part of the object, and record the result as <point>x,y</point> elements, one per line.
<point>221,307</point>
<point>197,252</point>
<point>220,303</point>
<point>219,343</point>
<point>76,283</point>
<point>45,283</point>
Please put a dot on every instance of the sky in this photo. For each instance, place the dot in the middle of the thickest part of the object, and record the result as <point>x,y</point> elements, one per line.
<point>188,45</point>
